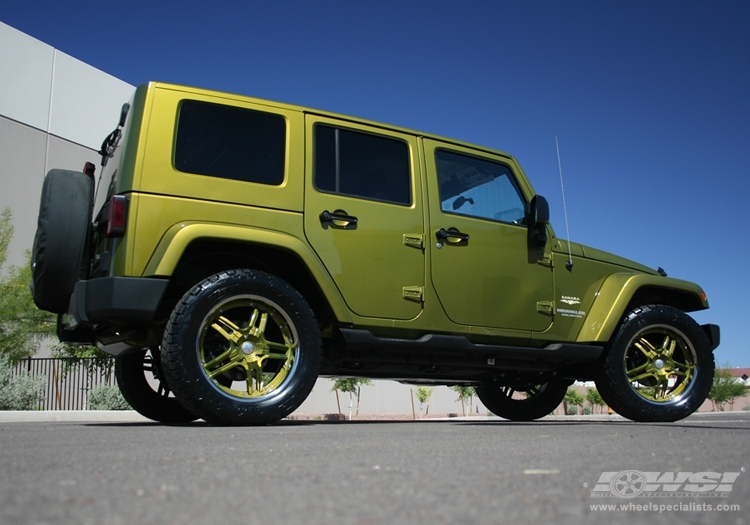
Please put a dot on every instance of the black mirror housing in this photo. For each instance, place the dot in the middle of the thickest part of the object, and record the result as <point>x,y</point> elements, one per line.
<point>538,212</point>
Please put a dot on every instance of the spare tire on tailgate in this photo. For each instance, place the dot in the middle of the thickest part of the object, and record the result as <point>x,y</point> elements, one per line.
<point>61,239</point>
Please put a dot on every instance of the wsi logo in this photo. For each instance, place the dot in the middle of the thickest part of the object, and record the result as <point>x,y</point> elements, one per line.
<point>567,299</point>
<point>634,483</point>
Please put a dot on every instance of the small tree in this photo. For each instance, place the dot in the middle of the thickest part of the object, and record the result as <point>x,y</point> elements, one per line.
<point>423,395</point>
<point>22,325</point>
<point>351,386</point>
<point>725,389</point>
<point>594,398</point>
<point>90,357</point>
<point>465,395</point>
<point>572,400</point>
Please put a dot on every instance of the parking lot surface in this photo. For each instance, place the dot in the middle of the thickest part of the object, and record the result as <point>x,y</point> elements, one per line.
<point>366,473</point>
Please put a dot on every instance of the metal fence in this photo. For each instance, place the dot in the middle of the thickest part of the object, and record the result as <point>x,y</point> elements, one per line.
<point>68,380</point>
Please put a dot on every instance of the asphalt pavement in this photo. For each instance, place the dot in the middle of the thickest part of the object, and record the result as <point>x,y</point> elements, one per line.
<point>478,470</point>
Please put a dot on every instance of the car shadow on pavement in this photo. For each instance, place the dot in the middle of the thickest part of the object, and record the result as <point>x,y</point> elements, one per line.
<point>694,425</point>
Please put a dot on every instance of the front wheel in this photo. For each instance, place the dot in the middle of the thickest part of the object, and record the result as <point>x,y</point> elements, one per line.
<point>658,367</point>
<point>525,402</point>
<point>242,348</point>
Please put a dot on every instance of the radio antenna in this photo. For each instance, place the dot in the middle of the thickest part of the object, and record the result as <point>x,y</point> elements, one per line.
<point>569,264</point>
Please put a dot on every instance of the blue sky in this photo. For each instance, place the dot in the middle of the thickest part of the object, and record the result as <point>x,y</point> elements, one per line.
<point>650,100</point>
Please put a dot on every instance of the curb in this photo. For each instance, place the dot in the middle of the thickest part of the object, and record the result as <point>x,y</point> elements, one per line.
<point>131,416</point>
<point>24,416</point>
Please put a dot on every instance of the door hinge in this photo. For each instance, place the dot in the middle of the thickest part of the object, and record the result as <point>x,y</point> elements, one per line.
<point>545,307</point>
<point>413,293</point>
<point>415,240</point>
<point>546,260</point>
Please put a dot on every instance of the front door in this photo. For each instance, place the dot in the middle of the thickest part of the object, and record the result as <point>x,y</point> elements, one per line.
<point>484,269</point>
<point>364,215</point>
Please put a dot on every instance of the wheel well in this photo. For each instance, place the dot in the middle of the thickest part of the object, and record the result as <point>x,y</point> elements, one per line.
<point>685,301</point>
<point>204,258</point>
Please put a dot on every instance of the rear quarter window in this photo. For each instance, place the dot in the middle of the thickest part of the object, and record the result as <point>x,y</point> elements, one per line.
<point>230,142</point>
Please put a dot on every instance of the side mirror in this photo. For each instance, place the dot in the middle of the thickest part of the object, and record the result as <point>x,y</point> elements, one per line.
<point>538,212</point>
<point>537,220</point>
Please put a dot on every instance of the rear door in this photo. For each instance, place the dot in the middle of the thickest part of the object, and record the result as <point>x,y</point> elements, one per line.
<point>364,215</point>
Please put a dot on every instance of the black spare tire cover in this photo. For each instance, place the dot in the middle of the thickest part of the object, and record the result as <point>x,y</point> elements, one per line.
<point>61,238</point>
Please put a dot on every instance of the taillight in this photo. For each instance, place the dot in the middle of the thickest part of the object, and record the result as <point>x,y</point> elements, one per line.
<point>117,215</point>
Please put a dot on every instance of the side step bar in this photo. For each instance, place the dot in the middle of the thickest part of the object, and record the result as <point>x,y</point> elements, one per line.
<point>365,341</point>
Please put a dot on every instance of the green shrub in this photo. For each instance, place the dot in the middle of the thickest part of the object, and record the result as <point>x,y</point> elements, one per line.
<point>572,400</point>
<point>726,388</point>
<point>586,410</point>
<point>22,392</point>
<point>107,397</point>
<point>594,398</point>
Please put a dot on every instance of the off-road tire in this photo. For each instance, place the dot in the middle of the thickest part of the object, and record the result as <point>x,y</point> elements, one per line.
<point>242,348</point>
<point>62,237</point>
<point>133,372</point>
<point>659,366</point>
<point>541,400</point>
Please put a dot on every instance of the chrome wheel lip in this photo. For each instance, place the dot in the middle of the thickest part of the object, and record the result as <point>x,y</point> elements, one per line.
<point>266,304</point>
<point>660,364</point>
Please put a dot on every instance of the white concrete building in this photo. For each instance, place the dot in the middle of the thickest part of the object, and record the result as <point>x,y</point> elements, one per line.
<point>54,113</point>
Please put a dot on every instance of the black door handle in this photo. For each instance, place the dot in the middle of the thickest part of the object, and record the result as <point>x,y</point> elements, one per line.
<point>338,219</point>
<point>452,236</point>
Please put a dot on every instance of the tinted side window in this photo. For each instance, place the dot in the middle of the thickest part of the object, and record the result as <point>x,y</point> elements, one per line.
<point>230,142</point>
<point>478,188</point>
<point>361,165</point>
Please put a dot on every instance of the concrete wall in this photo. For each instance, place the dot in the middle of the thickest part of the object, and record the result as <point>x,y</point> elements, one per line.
<point>54,113</point>
<point>384,397</point>
<point>26,153</point>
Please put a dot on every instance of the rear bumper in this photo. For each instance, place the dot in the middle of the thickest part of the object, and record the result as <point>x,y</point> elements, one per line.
<point>116,300</point>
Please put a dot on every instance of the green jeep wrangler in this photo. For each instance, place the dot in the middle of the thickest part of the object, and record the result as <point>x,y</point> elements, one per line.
<point>232,250</point>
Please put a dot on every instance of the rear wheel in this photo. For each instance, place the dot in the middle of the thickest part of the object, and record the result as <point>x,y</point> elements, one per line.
<point>523,402</point>
<point>658,367</point>
<point>242,348</point>
<point>141,383</point>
